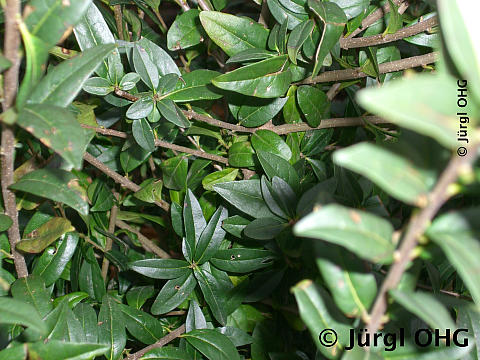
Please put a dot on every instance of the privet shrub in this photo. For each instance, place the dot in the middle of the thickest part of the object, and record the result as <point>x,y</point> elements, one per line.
<point>225,180</point>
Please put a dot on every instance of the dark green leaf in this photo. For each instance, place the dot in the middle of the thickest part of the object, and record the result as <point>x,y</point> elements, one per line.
<point>5,222</point>
<point>211,237</point>
<point>253,115</point>
<point>186,31</point>
<point>212,344</point>
<point>15,311</point>
<point>196,85</point>
<point>32,290</point>
<point>172,113</point>
<point>265,228</point>
<point>195,317</point>
<point>141,325</point>
<point>138,295</point>
<point>173,293</point>
<point>313,103</point>
<point>143,134</point>
<point>60,350</point>
<point>241,154</point>
<point>175,172</point>
<point>297,37</point>
<point>242,260</point>
<point>160,268</point>
<point>266,140</point>
<point>111,327</point>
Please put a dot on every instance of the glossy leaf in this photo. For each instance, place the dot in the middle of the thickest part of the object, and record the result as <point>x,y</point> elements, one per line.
<point>173,293</point>
<point>145,67</point>
<point>138,295</point>
<point>214,292</point>
<point>219,177</point>
<point>269,78</point>
<point>40,238</point>
<point>175,172</point>
<point>5,222</point>
<point>160,268</point>
<point>111,328</point>
<point>232,33</point>
<point>54,184</point>
<point>143,134</point>
<point>15,311</point>
<point>194,222</point>
<point>195,85</point>
<point>266,140</point>
<point>60,350</point>
<point>195,317</point>
<point>253,115</point>
<point>159,57</point>
<point>265,228</point>
<point>186,31</point>
<point>241,154</point>
<point>172,113</point>
<point>61,85</point>
<point>297,37</point>
<point>167,353</point>
<point>313,103</point>
<point>141,325</point>
<point>31,290</point>
<point>274,165</point>
<point>212,344</point>
<point>211,237</point>
<point>366,235</point>
<point>242,260</point>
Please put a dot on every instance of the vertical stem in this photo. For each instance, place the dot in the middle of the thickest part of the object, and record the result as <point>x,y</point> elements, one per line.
<point>117,10</point>
<point>264,14</point>
<point>108,244</point>
<point>11,48</point>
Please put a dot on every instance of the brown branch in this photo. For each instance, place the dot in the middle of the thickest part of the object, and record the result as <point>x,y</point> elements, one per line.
<point>163,144</point>
<point>351,74</point>
<point>380,39</point>
<point>122,180</point>
<point>11,48</point>
<point>147,244</point>
<point>183,4</point>
<point>378,14</point>
<point>108,243</point>
<point>417,226</point>
<point>203,5</point>
<point>163,341</point>
<point>117,10</point>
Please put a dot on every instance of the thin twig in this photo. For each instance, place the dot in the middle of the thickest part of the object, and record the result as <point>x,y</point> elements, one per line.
<point>357,73</point>
<point>147,244</point>
<point>417,226</point>
<point>163,144</point>
<point>122,180</point>
<point>11,48</point>
<point>183,4</point>
<point>163,341</point>
<point>108,242</point>
<point>381,39</point>
<point>203,5</point>
<point>378,14</point>
<point>264,14</point>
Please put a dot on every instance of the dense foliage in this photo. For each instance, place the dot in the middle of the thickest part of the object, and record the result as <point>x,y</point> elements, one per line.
<point>229,180</point>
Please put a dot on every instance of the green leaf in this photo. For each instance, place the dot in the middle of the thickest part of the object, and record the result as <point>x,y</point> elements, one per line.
<point>394,173</point>
<point>111,328</point>
<point>145,67</point>
<point>426,307</point>
<point>40,238</point>
<point>98,86</point>
<point>160,268</point>
<point>129,81</point>
<point>249,55</point>
<point>31,290</point>
<point>54,127</point>
<point>16,352</point>
<point>266,140</point>
<point>334,20</point>
<point>313,103</point>
<point>186,31</point>
<point>352,288</point>
<point>254,114</point>
<point>143,326</point>
<point>54,184</point>
<point>61,85</point>
<point>167,353</point>
<point>211,237</point>
<point>175,172</point>
<point>242,260</point>
<point>5,222</point>
<point>423,104</point>
<point>60,350</point>
<point>194,222</point>
<point>91,31</point>
<point>469,318</point>
<point>172,113</point>
<point>15,311</point>
<point>235,224</point>
<point>212,344</point>
<point>219,177</point>
<point>138,295</point>
<point>265,228</point>
<point>151,191</point>
<point>159,57</point>
<point>50,20</point>
<point>365,234</point>
<point>280,13</point>
<point>269,78</point>
<point>394,19</point>
<point>196,85</point>
<point>4,63</point>
<point>90,276</point>
<point>246,196</point>
<point>36,51</point>
<point>143,134</point>
<point>88,318</point>
<point>274,165</point>
<point>297,37</point>
<point>173,293</point>
<point>133,157</point>
<point>195,317</point>
<point>241,154</point>
<point>457,234</point>
<point>313,303</point>
<point>232,33</point>
<point>353,8</point>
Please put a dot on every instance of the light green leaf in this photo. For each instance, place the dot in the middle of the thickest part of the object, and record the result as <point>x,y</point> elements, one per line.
<point>219,177</point>
<point>54,127</point>
<point>60,350</point>
<point>267,140</point>
<point>175,172</point>
<point>62,84</point>
<point>15,311</point>
<point>145,67</point>
<point>167,353</point>
<point>240,154</point>
<point>151,191</point>
<point>186,31</point>
<point>98,86</point>
<point>269,78</point>
<point>36,241</point>
<point>394,173</point>
<point>364,234</point>
<point>5,222</point>
<point>196,85</point>
<point>232,33</point>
